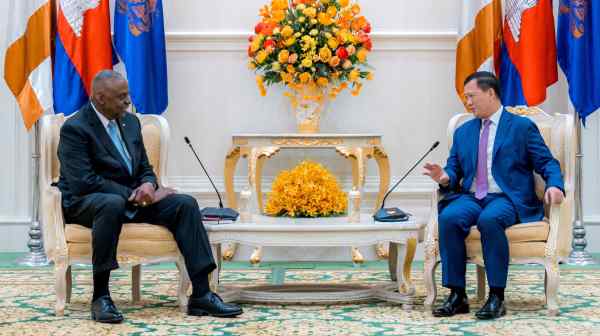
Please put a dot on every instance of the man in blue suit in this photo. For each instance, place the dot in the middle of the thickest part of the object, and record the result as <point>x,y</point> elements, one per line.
<point>488,181</point>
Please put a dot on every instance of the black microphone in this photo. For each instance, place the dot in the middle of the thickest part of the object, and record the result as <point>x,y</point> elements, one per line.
<point>395,214</point>
<point>209,213</point>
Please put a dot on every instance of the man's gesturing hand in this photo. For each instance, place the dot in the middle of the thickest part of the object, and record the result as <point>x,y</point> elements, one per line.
<point>436,173</point>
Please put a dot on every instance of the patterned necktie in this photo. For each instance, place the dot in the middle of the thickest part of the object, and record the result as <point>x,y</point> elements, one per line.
<point>113,131</point>
<point>481,179</point>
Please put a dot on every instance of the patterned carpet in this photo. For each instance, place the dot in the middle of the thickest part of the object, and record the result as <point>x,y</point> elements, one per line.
<point>27,300</point>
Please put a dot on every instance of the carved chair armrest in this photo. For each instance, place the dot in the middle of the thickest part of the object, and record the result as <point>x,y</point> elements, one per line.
<point>552,244</point>
<point>165,183</point>
<point>53,223</point>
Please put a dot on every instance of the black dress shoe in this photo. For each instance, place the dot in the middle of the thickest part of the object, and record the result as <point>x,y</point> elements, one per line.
<point>493,308</point>
<point>212,304</point>
<point>104,310</point>
<point>455,304</point>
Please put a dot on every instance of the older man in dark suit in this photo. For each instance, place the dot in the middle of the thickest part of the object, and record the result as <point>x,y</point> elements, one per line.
<point>106,180</point>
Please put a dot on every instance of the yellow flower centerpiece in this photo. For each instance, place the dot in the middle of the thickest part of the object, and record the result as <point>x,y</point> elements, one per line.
<point>308,190</point>
<point>316,48</point>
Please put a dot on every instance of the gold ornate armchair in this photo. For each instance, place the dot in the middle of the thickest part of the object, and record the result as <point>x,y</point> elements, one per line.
<point>546,242</point>
<point>69,243</point>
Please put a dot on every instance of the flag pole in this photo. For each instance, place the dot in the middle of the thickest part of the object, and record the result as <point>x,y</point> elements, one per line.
<point>36,256</point>
<point>578,255</point>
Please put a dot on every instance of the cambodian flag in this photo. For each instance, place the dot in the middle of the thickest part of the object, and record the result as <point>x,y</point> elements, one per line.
<point>528,56</point>
<point>579,52</point>
<point>140,43</point>
<point>83,48</point>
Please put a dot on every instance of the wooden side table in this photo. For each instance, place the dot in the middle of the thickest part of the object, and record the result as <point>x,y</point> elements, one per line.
<point>257,148</point>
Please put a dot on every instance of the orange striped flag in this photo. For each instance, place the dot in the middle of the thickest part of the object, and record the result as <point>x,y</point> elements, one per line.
<point>27,63</point>
<point>480,34</point>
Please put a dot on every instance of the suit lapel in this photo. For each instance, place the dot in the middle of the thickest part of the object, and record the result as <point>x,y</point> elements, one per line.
<point>103,136</point>
<point>474,142</point>
<point>503,127</point>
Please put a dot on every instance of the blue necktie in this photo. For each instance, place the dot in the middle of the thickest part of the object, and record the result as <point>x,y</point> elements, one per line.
<point>113,131</point>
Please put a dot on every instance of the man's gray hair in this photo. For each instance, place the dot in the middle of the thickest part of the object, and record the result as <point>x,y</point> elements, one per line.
<point>104,76</point>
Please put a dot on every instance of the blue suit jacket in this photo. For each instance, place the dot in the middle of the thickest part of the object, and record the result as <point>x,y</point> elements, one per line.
<point>519,149</point>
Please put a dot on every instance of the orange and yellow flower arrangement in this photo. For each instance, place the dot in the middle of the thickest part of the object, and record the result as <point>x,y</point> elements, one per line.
<point>319,44</point>
<point>308,190</point>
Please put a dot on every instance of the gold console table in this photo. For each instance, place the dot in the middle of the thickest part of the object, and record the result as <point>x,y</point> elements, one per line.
<point>257,148</point>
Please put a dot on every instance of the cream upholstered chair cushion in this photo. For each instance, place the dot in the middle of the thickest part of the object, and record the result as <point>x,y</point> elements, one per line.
<point>70,243</point>
<point>544,242</point>
<point>524,232</point>
<point>135,239</point>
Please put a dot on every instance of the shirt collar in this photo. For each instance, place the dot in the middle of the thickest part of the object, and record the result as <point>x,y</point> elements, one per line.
<point>495,118</point>
<point>104,120</point>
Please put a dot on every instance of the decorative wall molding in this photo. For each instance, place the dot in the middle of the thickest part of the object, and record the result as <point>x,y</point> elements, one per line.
<point>15,220</point>
<point>238,41</point>
<point>415,185</point>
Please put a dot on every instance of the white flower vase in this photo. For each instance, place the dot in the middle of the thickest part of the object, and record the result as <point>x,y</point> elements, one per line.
<point>308,105</point>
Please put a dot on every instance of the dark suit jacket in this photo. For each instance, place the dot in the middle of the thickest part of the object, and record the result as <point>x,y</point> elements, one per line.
<point>90,162</point>
<point>519,149</point>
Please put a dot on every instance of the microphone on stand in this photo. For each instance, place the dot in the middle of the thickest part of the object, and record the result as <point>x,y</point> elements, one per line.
<point>395,214</point>
<point>211,213</point>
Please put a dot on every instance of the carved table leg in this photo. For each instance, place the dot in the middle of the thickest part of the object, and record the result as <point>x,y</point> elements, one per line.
<point>406,254</point>
<point>256,161</point>
<point>231,161</point>
<point>253,159</point>
<point>256,256</point>
<point>260,162</point>
<point>356,156</point>
<point>383,164</point>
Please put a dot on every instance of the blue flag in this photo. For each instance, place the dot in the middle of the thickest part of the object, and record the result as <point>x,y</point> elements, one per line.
<point>140,43</point>
<point>579,52</point>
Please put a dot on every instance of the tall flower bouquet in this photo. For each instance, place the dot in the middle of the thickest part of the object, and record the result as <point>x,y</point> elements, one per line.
<point>317,48</point>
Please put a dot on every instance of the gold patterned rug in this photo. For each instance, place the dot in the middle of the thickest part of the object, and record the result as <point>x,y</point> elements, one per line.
<point>27,300</point>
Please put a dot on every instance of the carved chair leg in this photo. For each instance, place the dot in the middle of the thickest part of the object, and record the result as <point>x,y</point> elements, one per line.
<point>69,277</point>
<point>60,273</point>
<point>431,262</point>
<point>545,286</point>
<point>429,270</point>
<point>552,283</point>
<point>480,283</point>
<point>136,277</point>
<point>214,275</point>
<point>392,260</point>
<point>184,285</point>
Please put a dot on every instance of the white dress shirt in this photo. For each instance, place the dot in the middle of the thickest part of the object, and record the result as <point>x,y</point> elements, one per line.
<point>104,120</point>
<point>492,185</point>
